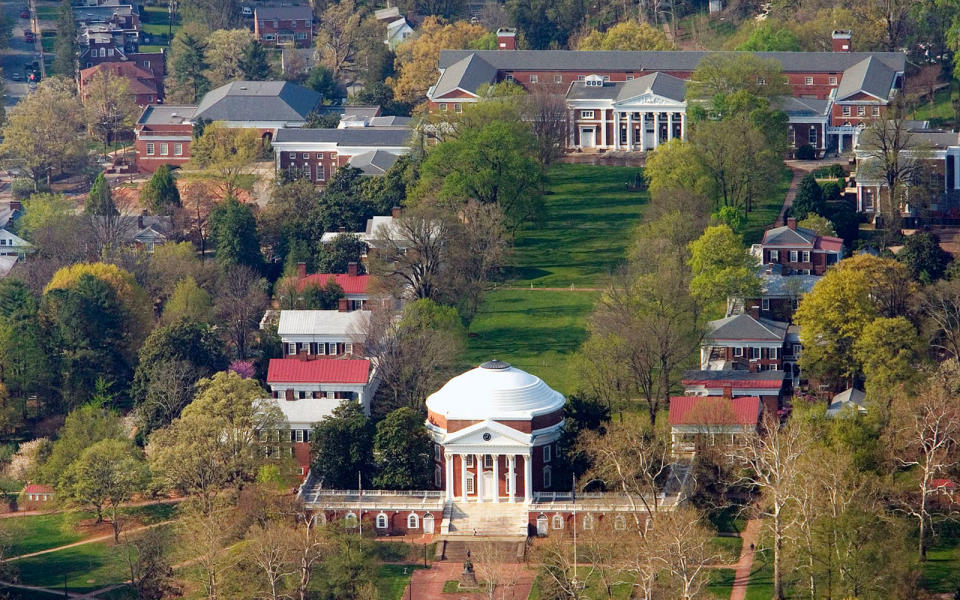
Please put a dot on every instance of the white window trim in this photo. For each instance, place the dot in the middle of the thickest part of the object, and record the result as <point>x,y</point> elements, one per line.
<point>793,256</point>
<point>547,453</point>
<point>413,521</point>
<point>620,523</point>
<point>738,351</point>
<point>765,304</point>
<point>547,478</point>
<point>557,522</point>
<point>806,256</point>
<point>382,518</point>
<point>587,114</point>
<point>470,485</point>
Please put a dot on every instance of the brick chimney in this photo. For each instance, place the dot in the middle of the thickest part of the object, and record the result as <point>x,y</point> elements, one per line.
<point>506,38</point>
<point>301,270</point>
<point>842,40</point>
<point>342,305</point>
<point>352,269</point>
<point>341,229</point>
<point>753,309</point>
<point>728,392</point>
<point>140,217</point>
<point>396,211</point>
<point>792,223</point>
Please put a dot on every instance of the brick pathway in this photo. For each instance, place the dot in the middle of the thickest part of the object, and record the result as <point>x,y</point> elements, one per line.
<point>427,584</point>
<point>750,535</point>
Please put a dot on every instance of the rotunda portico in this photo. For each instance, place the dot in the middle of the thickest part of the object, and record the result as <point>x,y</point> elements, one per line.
<point>495,428</point>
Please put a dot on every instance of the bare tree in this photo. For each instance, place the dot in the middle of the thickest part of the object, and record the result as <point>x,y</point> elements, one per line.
<point>924,435</point>
<point>686,550</point>
<point>771,465</point>
<point>546,109</point>
<point>497,568</point>
<point>170,388</point>
<point>148,562</point>
<point>476,254</point>
<point>110,232</point>
<point>209,535</point>
<point>412,252</point>
<point>268,546</point>
<point>940,304</point>
<point>557,574</point>
<point>310,547</point>
<point>197,199</point>
<point>241,299</point>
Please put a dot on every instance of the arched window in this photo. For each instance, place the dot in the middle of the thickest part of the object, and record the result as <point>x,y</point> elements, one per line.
<point>620,523</point>
<point>542,524</point>
<point>587,521</point>
<point>350,520</point>
<point>381,521</point>
<point>547,477</point>
<point>558,521</point>
<point>413,522</point>
<point>319,519</point>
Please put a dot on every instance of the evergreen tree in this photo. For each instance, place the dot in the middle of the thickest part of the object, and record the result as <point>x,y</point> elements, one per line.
<point>160,193</point>
<point>924,257</point>
<point>100,202</point>
<point>341,447</point>
<point>321,80</point>
<point>402,451</point>
<point>254,63</point>
<point>189,66</point>
<point>339,253</point>
<point>234,229</point>
<point>65,46</point>
<point>809,198</point>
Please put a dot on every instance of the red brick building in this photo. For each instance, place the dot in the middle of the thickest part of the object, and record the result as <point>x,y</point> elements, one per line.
<point>283,25</point>
<point>144,86</point>
<point>798,250</point>
<point>164,134</point>
<point>316,153</point>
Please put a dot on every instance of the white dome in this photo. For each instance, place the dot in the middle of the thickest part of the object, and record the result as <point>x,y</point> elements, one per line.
<point>495,390</point>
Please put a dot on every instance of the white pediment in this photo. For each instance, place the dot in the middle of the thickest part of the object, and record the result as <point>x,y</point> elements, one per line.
<point>646,100</point>
<point>488,437</point>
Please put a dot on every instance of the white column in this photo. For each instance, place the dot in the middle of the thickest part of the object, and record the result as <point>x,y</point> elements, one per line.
<point>479,485</point>
<point>511,482</point>
<point>956,172</point>
<point>573,124</point>
<point>669,126</point>
<point>630,132</point>
<point>603,128</point>
<point>616,130</point>
<point>449,476</point>
<point>656,129</point>
<point>463,477</point>
<point>496,478</point>
<point>683,126</point>
<point>643,132</point>
<point>528,478</point>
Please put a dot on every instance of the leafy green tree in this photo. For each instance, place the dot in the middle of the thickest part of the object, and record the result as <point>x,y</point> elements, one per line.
<point>233,227</point>
<point>189,66</point>
<point>228,152</point>
<point>820,225</point>
<point>674,165</point>
<point>343,202</point>
<point>65,45</point>
<point>160,193</point>
<point>723,74</point>
<point>626,35</point>
<point>342,447</point>
<point>100,202</point>
<point>336,256</point>
<point>809,198</point>
<point>766,38</point>
<point>322,297</point>
<point>292,223</point>
<point>924,257</point>
<point>26,362</point>
<point>889,353</point>
<point>82,428</point>
<point>351,569</point>
<point>254,63</point>
<point>547,23</point>
<point>721,266</point>
<point>106,475</point>
<point>402,452</point>
<point>321,80</point>
<point>188,302</point>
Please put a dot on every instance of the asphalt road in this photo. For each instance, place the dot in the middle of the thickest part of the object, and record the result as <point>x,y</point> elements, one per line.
<point>20,54</point>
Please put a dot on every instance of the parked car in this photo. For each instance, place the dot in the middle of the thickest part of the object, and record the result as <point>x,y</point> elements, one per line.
<point>28,36</point>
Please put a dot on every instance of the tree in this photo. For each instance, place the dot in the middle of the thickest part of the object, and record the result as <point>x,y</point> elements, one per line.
<point>341,448</point>
<point>227,151</point>
<point>189,302</point>
<point>224,53</point>
<point>30,455</point>
<point>417,58</point>
<point>109,106</point>
<point>65,46</point>
<point>627,35</point>
<point>160,193</point>
<point>547,23</point>
<point>211,15</point>
<point>82,428</point>
<point>147,556</point>
<point>675,165</point>
<point>339,38</point>
<point>888,351</point>
<point>767,38</point>
<point>43,132</point>
<point>105,476</point>
<point>254,64</point>
<point>809,198</point>
<point>24,359</point>
<point>940,306</point>
<point>100,202</point>
<point>721,266</point>
<point>234,228</point>
<point>336,256</point>
<point>924,257</point>
<point>834,314</point>
<point>199,200</point>
<point>321,80</point>
<point>343,203</point>
<point>402,452</point>
<point>267,547</point>
<point>819,225</point>
<point>240,302</point>
<point>726,73</point>
<point>545,109</point>
<point>189,65</point>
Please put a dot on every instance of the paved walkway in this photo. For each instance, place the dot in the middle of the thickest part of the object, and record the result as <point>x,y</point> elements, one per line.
<point>750,535</point>
<point>427,584</point>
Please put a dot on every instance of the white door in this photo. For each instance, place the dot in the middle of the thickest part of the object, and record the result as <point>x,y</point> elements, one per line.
<point>428,523</point>
<point>587,137</point>
<point>489,485</point>
<point>542,525</point>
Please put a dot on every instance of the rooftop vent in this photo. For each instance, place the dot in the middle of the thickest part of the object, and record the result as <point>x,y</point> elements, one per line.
<point>495,365</point>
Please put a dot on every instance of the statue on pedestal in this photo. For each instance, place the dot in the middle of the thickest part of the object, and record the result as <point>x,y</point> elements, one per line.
<point>468,578</point>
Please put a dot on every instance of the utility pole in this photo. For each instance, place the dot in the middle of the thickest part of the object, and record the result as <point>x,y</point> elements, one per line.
<point>360,502</point>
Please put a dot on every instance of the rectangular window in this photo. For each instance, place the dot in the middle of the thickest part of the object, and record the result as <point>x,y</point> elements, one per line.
<point>487,461</point>
<point>833,80</point>
<point>457,107</point>
<point>300,36</point>
<point>436,452</point>
<point>443,107</point>
<point>765,304</point>
<point>534,79</point>
<point>738,351</point>
<point>808,80</point>
<point>146,64</point>
<point>299,434</point>
<point>269,37</point>
<point>509,78</point>
<point>164,149</point>
<point>547,478</point>
<point>806,256</point>
<point>629,77</point>
<point>774,256</point>
<point>875,111</point>
<point>754,353</point>
<point>580,77</point>
<point>812,137</point>
<point>149,148</point>
<point>470,460</point>
<point>796,349</point>
<point>558,78</point>
<point>846,111</point>
<point>793,256</point>
<point>178,149</point>
<point>469,484</point>
<point>861,111</point>
<point>586,114</point>
<point>546,454</point>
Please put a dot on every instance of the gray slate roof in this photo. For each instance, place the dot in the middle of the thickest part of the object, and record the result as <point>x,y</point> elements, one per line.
<point>848,397</point>
<point>660,84</point>
<point>350,136</point>
<point>871,75</point>
<point>745,327</point>
<point>284,12</point>
<point>802,107</point>
<point>258,101</point>
<point>373,163</point>
<point>775,285</point>
<point>467,73</point>
<point>785,236</point>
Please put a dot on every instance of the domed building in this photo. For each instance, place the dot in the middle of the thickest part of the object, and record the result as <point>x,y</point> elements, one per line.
<point>495,430</point>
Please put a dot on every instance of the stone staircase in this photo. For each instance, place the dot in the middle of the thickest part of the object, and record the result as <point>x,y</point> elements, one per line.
<point>456,550</point>
<point>496,521</point>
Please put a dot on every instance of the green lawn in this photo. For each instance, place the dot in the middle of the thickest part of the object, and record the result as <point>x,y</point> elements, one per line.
<point>728,520</point>
<point>156,23</point>
<point>941,113</point>
<point>941,570</point>
<point>48,13</point>
<point>760,586</point>
<point>47,43</point>
<point>765,212</point>
<point>17,594</point>
<point>537,331</point>
<point>721,583</point>
<point>588,223</point>
<point>727,547</point>
<point>86,568</point>
<point>392,580</point>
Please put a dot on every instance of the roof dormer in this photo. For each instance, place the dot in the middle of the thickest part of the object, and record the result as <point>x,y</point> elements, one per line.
<point>593,81</point>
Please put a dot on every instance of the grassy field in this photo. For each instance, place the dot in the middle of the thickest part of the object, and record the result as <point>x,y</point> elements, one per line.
<point>941,113</point>
<point>594,589</point>
<point>86,568</point>
<point>48,12</point>
<point>393,579</point>
<point>727,547</point>
<point>764,213</point>
<point>156,24</point>
<point>760,586</point>
<point>721,583</point>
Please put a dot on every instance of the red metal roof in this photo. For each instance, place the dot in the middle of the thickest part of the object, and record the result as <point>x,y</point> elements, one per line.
<point>321,370</point>
<point>351,284</point>
<point>713,410</point>
<point>827,242</point>
<point>37,488</point>
<point>942,483</point>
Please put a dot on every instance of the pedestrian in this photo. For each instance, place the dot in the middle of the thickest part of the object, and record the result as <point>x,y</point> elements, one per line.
<point>474,531</point>
<point>751,547</point>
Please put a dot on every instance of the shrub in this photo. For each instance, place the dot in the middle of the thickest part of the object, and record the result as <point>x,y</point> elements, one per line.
<point>806,152</point>
<point>832,191</point>
<point>21,187</point>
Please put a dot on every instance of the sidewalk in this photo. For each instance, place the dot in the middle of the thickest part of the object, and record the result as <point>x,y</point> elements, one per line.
<point>427,584</point>
<point>750,535</point>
